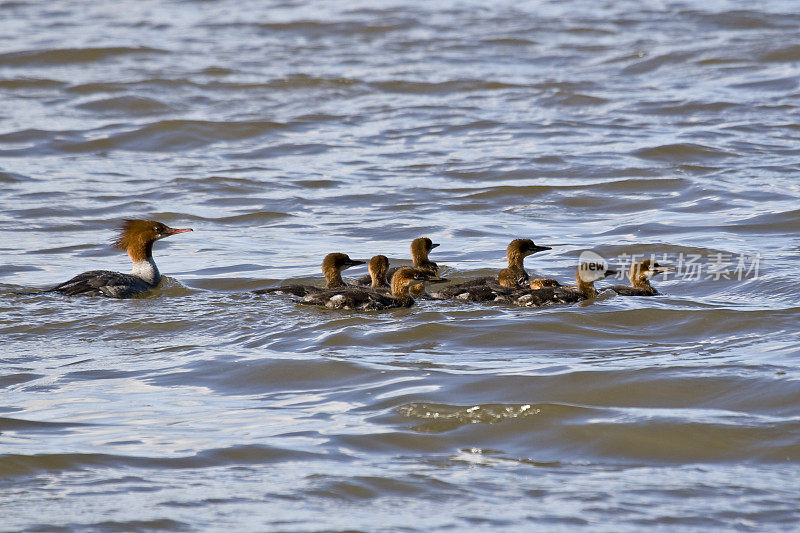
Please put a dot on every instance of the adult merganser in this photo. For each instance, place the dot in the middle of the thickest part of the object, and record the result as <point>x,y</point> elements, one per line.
<point>507,281</point>
<point>585,275</point>
<point>332,267</point>
<point>378,268</point>
<point>136,237</point>
<point>640,274</point>
<point>368,299</point>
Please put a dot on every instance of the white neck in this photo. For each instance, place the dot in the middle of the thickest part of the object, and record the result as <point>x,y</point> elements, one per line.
<point>147,270</point>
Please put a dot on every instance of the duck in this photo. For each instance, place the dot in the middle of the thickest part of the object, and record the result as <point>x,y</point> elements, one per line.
<point>369,299</point>
<point>378,269</point>
<point>332,266</point>
<point>640,274</point>
<point>136,237</point>
<point>503,286</point>
<point>421,247</point>
<point>585,275</point>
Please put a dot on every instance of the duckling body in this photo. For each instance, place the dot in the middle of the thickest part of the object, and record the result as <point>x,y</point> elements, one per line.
<point>640,274</point>
<point>504,285</point>
<point>585,276</point>
<point>420,249</point>
<point>332,267</point>
<point>369,299</point>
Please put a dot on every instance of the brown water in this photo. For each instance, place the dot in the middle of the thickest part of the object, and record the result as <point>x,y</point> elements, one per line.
<point>285,131</point>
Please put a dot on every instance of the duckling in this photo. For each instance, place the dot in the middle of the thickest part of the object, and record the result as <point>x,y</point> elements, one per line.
<point>420,248</point>
<point>332,267</point>
<point>517,251</point>
<point>378,269</point>
<point>508,280</point>
<point>640,274</point>
<point>585,275</point>
<point>368,299</point>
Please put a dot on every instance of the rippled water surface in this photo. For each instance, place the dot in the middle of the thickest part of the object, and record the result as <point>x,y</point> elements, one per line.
<point>286,130</point>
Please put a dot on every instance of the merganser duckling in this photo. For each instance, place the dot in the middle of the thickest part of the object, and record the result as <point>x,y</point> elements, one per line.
<point>378,268</point>
<point>585,275</point>
<point>332,267</point>
<point>517,251</point>
<point>484,289</point>
<point>420,248</point>
<point>368,299</point>
<point>508,280</point>
<point>640,274</point>
<point>136,237</point>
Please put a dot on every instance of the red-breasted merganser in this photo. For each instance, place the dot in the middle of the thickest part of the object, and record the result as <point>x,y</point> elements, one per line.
<point>332,267</point>
<point>585,276</point>
<point>378,268</point>
<point>508,280</point>
<point>136,237</point>
<point>640,274</point>
<point>368,299</point>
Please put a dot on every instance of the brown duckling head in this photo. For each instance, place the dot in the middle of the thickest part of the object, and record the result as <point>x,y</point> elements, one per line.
<point>642,271</point>
<point>519,249</point>
<point>420,248</point>
<point>378,268</point>
<point>332,267</point>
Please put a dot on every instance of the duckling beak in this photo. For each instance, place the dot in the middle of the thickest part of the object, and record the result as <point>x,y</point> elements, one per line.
<point>537,248</point>
<point>171,231</point>
<point>611,273</point>
<point>353,262</point>
<point>434,245</point>
<point>661,269</point>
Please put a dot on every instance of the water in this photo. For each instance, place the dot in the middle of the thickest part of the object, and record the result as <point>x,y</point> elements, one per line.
<point>282,132</point>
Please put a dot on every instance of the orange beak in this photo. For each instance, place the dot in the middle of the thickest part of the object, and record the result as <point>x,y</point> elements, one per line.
<point>171,231</point>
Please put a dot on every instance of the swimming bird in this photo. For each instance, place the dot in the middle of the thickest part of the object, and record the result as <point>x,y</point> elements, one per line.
<point>136,237</point>
<point>640,274</point>
<point>585,275</point>
<point>378,269</point>
<point>517,251</point>
<point>420,248</point>
<point>503,286</point>
<point>332,267</point>
<point>368,299</point>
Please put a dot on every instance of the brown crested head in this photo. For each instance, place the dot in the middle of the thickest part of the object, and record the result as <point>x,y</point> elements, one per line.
<point>137,237</point>
<point>378,268</point>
